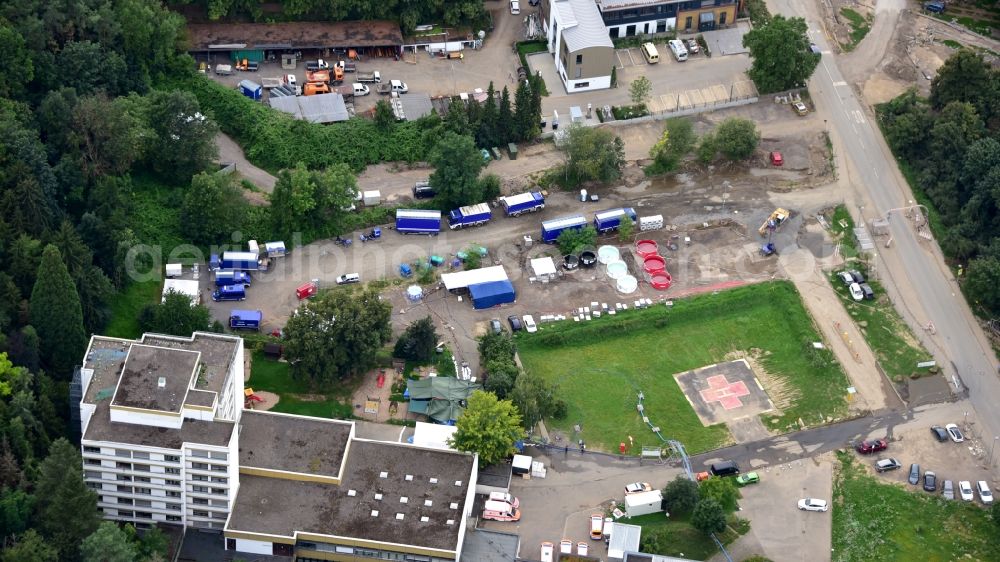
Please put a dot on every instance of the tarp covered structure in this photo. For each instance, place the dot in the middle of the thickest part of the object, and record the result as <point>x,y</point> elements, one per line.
<point>487,295</point>
<point>321,108</point>
<point>543,267</point>
<point>442,399</point>
<point>462,279</point>
<point>187,287</point>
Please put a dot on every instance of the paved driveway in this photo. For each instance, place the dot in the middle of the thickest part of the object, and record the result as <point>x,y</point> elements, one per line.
<point>727,41</point>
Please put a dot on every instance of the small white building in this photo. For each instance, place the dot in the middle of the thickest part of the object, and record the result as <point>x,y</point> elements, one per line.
<point>543,268</point>
<point>644,503</point>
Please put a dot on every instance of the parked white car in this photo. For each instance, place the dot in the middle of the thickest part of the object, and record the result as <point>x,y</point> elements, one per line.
<point>965,490</point>
<point>856,292</point>
<point>515,7</point>
<point>529,324</point>
<point>954,433</point>
<point>813,504</point>
<point>985,495</point>
<point>637,488</point>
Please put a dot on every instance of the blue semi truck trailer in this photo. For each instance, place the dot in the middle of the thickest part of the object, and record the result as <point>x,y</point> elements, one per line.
<point>230,277</point>
<point>551,229</point>
<point>245,319</point>
<point>523,203</point>
<point>418,221</point>
<point>470,215</point>
<point>607,221</point>
<point>241,261</point>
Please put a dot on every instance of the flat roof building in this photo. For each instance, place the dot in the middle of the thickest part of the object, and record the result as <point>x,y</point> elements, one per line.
<point>627,18</point>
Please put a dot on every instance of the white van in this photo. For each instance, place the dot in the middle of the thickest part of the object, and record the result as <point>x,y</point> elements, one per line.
<point>500,511</point>
<point>650,53</point>
<point>360,89</point>
<point>348,278</point>
<point>678,49</point>
<point>505,498</point>
<point>515,7</point>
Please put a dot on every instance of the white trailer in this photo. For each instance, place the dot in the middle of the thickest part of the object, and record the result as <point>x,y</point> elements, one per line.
<point>371,198</point>
<point>174,270</point>
<point>644,503</point>
<point>654,222</point>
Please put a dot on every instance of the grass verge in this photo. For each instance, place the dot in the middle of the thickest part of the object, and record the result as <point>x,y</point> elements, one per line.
<point>680,536</point>
<point>600,372</point>
<point>295,396</point>
<point>894,344</point>
<point>127,306</point>
<point>842,227</point>
<point>860,26</point>
<point>876,521</point>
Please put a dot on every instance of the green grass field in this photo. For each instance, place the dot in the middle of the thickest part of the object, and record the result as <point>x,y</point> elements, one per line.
<point>601,365</point>
<point>680,537</point>
<point>876,521</point>
<point>860,26</point>
<point>126,308</point>
<point>295,396</point>
<point>895,346</point>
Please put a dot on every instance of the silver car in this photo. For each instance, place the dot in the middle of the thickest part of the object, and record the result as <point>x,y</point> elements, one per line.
<point>948,490</point>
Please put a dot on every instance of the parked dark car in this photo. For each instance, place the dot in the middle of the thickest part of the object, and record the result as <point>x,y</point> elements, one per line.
<point>866,289</point>
<point>934,7</point>
<point>495,326</point>
<point>914,474</point>
<point>515,323</point>
<point>872,446</point>
<point>938,432</point>
<point>856,275</point>
<point>930,482</point>
<point>423,190</point>
<point>885,465</point>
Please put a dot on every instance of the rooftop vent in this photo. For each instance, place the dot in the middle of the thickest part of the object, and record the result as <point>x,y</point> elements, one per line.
<point>378,497</point>
<point>352,493</point>
<point>434,480</point>
<point>383,474</point>
<point>374,513</point>
<point>399,516</point>
<point>428,503</point>
<point>450,522</point>
<point>409,477</point>
<point>161,382</point>
<point>454,505</point>
<point>424,519</point>
<point>404,499</point>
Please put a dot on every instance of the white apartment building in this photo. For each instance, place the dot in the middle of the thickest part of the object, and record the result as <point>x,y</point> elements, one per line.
<point>158,424</point>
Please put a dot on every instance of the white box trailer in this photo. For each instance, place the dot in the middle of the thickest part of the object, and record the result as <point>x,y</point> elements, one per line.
<point>521,464</point>
<point>371,198</point>
<point>174,270</point>
<point>644,503</point>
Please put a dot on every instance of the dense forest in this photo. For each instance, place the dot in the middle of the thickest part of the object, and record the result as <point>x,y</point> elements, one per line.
<point>949,146</point>
<point>409,13</point>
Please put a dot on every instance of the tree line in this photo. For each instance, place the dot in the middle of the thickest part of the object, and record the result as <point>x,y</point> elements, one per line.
<point>949,146</point>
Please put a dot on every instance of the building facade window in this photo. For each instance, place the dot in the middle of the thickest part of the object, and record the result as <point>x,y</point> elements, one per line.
<point>88,449</point>
<point>171,470</point>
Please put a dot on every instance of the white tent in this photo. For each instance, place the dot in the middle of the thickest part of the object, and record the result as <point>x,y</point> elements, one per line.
<point>462,279</point>
<point>187,287</point>
<point>433,435</point>
<point>543,268</point>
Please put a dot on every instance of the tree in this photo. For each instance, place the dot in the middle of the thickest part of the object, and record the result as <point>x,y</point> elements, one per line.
<point>708,516</point>
<point>677,140</point>
<point>526,120</point>
<point>594,154</point>
<point>385,118</point>
<point>737,138</point>
<point>706,148</point>
<point>488,427</point>
<point>626,229</point>
<point>536,399</point>
<point>16,68</point>
<point>782,58</point>
<point>418,341</point>
<point>496,347</point>
<point>175,316</point>
<point>995,513</point>
<point>655,540</point>
<point>183,140</point>
<point>108,544</point>
<point>721,490</point>
<point>505,119</point>
<point>487,135</point>
<point>314,199</point>
<point>337,335</point>
<point>456,119</point>
<point>681,495</point>
<point>212,208</point>
<point>500,377</point>
<point>640,89</point>
<point>457,163</point>
<point>16,507</point>
<point>31,547</point>
<point>56,314</point>
<point>966,77</point>
<point>108,136</point>
<point>87,68</point>
<point>571,241</point>
<point>982,282</point>
<point>66,509</point>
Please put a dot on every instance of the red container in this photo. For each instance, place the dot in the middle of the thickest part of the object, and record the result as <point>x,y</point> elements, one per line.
<point>653,264</point>
<point>646,248</point>
<point>661,281</point>
<point>306,291</point>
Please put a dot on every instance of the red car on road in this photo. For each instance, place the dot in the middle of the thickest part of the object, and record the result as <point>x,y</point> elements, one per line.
<point>872,446</point>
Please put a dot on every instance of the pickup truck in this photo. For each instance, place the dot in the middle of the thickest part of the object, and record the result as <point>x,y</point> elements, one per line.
<point>393,86</point>
<point>375,77</point>
<point>347,66</point>
<point>269,83</point>
<point>317,65</point>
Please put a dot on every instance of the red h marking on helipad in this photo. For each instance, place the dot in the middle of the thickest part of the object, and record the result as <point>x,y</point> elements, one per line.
<point>727,394</point>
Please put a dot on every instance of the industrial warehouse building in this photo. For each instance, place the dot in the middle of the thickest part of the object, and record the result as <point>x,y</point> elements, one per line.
<point>165,440</point>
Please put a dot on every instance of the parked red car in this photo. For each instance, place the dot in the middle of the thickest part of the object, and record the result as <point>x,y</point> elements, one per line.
<point>776,159</point>
<point>872,446</point>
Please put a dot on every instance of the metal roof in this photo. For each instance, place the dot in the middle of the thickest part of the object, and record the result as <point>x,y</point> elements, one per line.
<point>463,279</point>
<point>562,222</point>
<point>415,106</point>
<point>614,213</point>
<point>528,197</point>
<point>623,538</point>
<point>321,108</point>
<point>582,24</point>
<point>421,213</point>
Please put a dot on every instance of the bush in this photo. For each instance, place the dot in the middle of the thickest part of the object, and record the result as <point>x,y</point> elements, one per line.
<point>629,111</point>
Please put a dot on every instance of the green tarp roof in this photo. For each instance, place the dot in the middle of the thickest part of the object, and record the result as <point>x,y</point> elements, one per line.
<point>440,398</point>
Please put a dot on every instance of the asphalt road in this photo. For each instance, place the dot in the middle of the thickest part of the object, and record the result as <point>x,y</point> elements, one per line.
<point>914,270</point>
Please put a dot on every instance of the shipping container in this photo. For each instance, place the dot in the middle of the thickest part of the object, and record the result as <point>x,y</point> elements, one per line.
<point>551,229</point>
